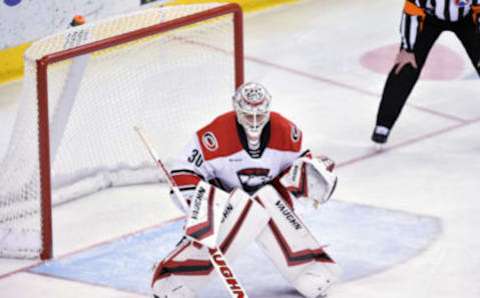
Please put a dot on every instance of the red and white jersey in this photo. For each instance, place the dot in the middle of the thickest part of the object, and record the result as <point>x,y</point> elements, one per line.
<point>219,154</point>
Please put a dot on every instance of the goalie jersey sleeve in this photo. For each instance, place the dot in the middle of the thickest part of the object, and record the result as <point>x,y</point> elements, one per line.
<point>219,154</point>
<point>190,168</point>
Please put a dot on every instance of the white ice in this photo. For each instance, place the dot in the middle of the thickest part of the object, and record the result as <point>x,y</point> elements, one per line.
<point>308,55</point>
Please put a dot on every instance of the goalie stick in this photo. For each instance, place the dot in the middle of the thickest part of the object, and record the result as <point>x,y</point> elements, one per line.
<point>216,256</point>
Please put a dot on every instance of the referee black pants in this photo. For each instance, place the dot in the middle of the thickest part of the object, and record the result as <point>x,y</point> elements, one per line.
<point>398,87</point>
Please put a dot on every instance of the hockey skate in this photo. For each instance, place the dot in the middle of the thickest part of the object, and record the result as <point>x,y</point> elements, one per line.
<point>380,134</point>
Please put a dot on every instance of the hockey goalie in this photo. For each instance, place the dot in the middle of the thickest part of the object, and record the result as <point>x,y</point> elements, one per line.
<point>249,166</point>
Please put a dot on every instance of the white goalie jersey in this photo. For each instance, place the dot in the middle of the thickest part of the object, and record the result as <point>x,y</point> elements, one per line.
<point>219,154</point>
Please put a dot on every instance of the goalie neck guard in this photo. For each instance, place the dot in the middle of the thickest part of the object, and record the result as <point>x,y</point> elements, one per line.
<point>251,103</point>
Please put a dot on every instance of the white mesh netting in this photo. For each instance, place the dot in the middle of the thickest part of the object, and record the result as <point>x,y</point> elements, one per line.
<point>170,84</point>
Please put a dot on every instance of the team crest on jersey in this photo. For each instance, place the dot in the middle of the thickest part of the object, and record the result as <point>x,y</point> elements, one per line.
<point>253,178</point>
<point>462,3</point>
<point>295,134</point>
<point>210,141</point>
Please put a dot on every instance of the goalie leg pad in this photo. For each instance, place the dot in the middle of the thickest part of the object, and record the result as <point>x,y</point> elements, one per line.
<point>217,217</point>
<point>187,260</point>
<point>189,264</point>
<point>292,247</point>
<point>242,221</point>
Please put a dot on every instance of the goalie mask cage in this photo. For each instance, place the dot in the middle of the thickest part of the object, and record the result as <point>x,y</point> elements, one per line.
<point>168,69</point>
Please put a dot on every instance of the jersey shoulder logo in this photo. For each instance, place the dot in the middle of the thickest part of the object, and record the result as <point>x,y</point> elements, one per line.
<point>295,134</point>
<point>210,141</point>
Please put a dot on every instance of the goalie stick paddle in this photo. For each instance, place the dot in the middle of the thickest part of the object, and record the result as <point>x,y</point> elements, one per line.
<point>171,183</point>
<point>217,258</point>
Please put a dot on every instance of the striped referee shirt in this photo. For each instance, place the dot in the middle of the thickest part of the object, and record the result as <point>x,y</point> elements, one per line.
<point>447,10</point>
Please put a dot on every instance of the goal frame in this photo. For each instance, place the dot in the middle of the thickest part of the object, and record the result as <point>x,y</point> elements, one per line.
<point>42,93</point>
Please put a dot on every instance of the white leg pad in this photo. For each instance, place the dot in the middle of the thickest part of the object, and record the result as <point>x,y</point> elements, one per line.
<point>189,264</point>
<point>244,219</point>
<point>293,249</point>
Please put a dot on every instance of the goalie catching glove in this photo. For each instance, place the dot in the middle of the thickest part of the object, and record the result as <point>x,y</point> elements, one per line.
<point>311,179</point>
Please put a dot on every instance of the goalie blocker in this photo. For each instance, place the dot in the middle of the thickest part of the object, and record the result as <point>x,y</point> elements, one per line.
<point>231,222</point>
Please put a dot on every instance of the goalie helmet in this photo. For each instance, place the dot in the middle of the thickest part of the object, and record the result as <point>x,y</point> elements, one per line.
<point>251,102</point>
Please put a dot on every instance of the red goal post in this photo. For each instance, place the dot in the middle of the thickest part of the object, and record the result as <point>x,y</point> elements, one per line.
<point>196,62</point>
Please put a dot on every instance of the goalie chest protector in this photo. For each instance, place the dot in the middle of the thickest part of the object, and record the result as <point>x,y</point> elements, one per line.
<point>228,159</point>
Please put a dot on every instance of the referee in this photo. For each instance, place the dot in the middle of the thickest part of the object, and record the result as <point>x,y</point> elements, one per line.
<point>422,22</point>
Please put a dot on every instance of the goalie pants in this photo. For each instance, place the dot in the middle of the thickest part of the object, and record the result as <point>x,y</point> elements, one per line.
<point>284,238</point>
<point>399,86</point>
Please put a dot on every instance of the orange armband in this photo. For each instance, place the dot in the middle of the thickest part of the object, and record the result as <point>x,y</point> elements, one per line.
<point>412,10</point>
<point>475,13</point>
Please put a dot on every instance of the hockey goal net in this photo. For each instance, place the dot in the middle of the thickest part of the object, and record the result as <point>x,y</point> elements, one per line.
<point>168,70</point>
